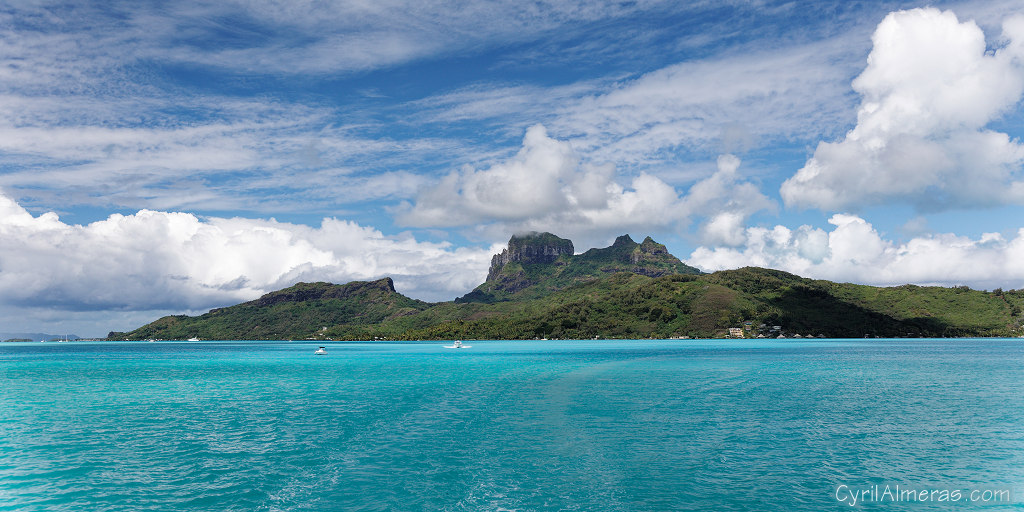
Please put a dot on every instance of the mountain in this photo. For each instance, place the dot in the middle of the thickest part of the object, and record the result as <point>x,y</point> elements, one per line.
<point>538,264</point>
<point>538,288</point>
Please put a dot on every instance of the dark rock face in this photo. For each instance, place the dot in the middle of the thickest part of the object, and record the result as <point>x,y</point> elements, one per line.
<point>528,249</point>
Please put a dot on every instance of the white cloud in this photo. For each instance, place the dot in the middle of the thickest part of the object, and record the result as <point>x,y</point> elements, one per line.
<point>287,38</point>
<point>727,103</point>
<point>166,260</point>
<point>725,228</point>
<point>544,187</point>
<point>726,201</point>
<point>772,93</point>
<point>74,120</point>
<point>535,182</point>
<point>84,121</point>
<point>853,251</point>
<point>930,88</point>
<point>247,160</point>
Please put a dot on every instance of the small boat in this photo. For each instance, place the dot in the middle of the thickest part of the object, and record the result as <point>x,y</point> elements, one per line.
<point>320,351</point>
<point>193,339</point>
<point>458,344</point>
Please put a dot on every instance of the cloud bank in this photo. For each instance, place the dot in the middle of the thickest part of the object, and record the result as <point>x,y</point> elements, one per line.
<point>166,260</point>
<point>545,187</point>
<point>853,251</point>
<point>930,88</point>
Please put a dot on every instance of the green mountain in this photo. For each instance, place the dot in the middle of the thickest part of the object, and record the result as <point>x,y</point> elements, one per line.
<point>538,264</point>
<point>537,288</point>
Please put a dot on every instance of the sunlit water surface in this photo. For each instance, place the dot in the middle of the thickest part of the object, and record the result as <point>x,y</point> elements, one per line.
<point>567,425</point>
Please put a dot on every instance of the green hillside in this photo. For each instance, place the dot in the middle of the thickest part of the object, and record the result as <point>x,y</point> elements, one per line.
<point>539,289</point>
<point>302,311</point>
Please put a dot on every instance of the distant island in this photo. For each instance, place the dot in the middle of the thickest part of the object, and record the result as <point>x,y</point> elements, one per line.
<point>22,337</point>
<point>537,288</point>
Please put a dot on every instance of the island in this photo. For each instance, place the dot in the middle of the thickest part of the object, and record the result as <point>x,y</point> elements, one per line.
<point>538,288</point>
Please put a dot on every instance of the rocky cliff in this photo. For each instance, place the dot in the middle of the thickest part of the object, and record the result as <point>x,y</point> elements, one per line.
<point>537,264</point>
<point>530,248</point>
<point>647,258</point>
<point>652,259</point>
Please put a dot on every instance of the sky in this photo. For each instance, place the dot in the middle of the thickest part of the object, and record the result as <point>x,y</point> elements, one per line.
<point>171,157</point>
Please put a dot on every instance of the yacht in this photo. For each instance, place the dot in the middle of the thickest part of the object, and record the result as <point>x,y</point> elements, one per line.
<point>321,351</point>
<point>193,339</point>
<point>458,344</point>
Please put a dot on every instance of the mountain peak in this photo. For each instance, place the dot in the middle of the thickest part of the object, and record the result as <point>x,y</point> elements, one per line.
<point>530,248</point>
<point>623,240</point>
<point>541,263</point>
<point>653,259</point>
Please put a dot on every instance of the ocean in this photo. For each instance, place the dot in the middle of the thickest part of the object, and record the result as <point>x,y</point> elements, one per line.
<point>634,425</point>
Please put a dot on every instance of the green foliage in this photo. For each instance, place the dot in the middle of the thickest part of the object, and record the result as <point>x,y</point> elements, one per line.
<point>591,296</point>
<point>306,310</point>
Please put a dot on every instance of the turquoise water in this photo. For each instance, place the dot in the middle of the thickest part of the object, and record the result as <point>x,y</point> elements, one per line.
<point>616,425</point>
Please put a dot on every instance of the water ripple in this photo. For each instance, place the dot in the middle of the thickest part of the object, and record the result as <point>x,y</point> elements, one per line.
<point>504,426</point>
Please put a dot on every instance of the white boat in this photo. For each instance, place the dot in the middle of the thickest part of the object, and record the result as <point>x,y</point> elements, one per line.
<point>321,351</point>
<point>458,344</point>
<point>193,339</point>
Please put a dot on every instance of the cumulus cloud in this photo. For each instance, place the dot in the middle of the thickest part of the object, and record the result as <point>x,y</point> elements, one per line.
<point>726,202</point>
<point>537,181</point>
<point>853,251</point>
<point>930,88</point>
<point>545,187</point>
<point>168,260</point>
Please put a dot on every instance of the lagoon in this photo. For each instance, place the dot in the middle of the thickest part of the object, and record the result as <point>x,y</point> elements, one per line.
<point>798,425</point>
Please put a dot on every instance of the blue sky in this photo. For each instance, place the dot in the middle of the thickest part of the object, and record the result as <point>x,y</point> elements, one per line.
<point>159,159</point>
